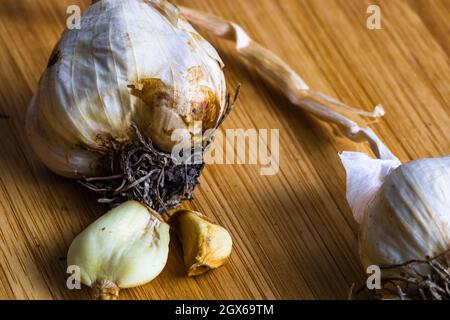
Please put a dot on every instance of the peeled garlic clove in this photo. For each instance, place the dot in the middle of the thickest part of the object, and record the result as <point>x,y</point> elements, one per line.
<point>126,247</point>
<point>205,245</point>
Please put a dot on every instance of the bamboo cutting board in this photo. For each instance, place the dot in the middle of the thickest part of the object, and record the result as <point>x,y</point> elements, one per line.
<point>294,235</point>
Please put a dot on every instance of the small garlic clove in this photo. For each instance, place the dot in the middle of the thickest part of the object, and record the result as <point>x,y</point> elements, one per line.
<point>205,245</point>
<point>126,247</point>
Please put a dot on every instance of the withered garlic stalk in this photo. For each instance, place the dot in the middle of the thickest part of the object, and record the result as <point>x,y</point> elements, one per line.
<point>113,93</point>
<point>127,247</point>
<point>403,209</point>
<point>282,76</point>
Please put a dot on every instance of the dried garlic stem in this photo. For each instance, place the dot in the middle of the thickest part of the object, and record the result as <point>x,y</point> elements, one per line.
<point>281,75</point>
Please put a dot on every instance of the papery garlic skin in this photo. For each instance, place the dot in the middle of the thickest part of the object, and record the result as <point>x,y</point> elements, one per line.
<point>127,247</point>
<point>409,218</point>
<point>131,61</point>
<point>206,245</point>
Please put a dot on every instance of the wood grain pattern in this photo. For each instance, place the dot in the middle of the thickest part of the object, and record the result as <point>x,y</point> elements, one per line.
<point>293,232</point>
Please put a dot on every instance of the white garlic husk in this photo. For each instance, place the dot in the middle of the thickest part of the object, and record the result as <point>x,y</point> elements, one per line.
<point>125,248</point>
<point>132,61</point>
<point>403,209</point>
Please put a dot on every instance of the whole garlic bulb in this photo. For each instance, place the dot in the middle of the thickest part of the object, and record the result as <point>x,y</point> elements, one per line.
<point>127,247</point>
<point>403,209</point>
<point>410,216</point>
<point>132,61</point>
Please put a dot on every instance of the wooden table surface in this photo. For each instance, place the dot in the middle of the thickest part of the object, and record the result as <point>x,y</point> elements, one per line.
<point>294,235</point>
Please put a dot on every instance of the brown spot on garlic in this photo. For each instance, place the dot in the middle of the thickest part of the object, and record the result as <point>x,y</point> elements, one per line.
<point>152,91</point>
<point>205,107</point>
<point>205,245</point>
<point>155,114</point>
<point>197,37</point>
<point>104,141</point>
<point>195,74</point>
<point>191,45</point>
